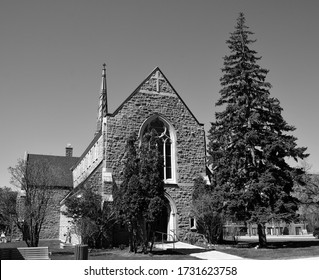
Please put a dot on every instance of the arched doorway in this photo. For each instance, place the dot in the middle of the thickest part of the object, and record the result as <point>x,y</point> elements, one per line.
<point>166,225</point>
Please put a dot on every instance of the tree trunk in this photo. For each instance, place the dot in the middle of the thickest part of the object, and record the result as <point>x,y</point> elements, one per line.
<point>152,242</point>
<point>135,236</point>
<point>131,240</point>
<point>262,236</point>
<point>150,236</point>
<point>145,237</point>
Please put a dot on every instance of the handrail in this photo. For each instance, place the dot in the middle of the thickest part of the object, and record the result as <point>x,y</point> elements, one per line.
<point>175,238</point>
<point>168,234</point>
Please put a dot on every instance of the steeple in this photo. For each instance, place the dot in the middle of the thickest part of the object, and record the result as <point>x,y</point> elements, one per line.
<point>102,110</point>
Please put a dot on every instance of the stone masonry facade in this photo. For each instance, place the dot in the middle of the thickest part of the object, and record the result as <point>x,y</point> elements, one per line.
<point>190,135</point>
<point>50,228</point>
<point>154,97</point>
<point>190,151</point>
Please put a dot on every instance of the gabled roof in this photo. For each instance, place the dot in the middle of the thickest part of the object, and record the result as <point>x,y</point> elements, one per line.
<point>61,167</point>
<point>155,74</point>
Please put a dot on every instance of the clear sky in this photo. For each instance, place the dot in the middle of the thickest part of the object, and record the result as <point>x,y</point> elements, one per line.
<point>51,56</point>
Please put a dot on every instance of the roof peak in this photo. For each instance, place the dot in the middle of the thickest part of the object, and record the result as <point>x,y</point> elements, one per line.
<point>155,69</point>
<point>155,83</point>
<point>43,155</point>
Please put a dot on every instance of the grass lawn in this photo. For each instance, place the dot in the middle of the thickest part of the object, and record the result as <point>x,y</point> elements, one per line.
<point>280,249</point>
<point>117,254</point>
<point>105,254</point>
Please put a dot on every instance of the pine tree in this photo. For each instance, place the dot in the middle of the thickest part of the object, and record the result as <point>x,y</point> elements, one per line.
<point>249,141</point>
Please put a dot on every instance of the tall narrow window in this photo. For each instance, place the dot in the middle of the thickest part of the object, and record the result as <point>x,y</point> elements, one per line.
<point>165,145</point>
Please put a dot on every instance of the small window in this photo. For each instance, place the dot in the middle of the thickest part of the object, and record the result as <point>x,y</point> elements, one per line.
<point>192,222</point>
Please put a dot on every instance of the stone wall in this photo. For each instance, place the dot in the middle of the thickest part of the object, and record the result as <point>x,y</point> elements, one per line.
<point>51,225</point>
<point>182,195</point>
<point>190,146</point>
<point>94,180</point>
<point>155,96</point>
<point>65,227</point>
<point>190,142</point>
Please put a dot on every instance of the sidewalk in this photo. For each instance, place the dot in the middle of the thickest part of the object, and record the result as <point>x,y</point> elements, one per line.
<point>196,251</point>
<point>216,255</point>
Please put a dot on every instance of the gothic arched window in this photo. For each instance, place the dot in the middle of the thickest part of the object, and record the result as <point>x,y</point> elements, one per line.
<point>166,145</point>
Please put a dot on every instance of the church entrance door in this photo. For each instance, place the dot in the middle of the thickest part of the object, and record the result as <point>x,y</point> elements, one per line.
<point>162,223</point>
<point>165,227</point>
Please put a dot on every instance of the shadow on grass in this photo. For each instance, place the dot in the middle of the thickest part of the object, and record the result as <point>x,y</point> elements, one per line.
<point>165,252</point>
<point>275,244</point>
<point>278,249</point>
<point>292,244</point>
<point>116,254</point>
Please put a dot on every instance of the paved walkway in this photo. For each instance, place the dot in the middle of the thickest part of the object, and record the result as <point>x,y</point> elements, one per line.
<point>196,251</point>
<point>216,255</point>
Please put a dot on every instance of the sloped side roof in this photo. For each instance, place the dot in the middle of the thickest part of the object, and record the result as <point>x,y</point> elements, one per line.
<point>59,165</point>
<point>96,137</point>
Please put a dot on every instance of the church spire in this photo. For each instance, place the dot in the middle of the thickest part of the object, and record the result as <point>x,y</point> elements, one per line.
<point>102,110</point>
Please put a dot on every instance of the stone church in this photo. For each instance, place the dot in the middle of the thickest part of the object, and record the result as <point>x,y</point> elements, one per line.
<point>156,104</point>
<point>153,104</point>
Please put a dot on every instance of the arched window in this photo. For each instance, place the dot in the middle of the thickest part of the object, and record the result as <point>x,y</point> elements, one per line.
<point>166,145</point>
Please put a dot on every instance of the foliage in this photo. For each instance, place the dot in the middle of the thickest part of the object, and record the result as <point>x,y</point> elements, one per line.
<point>127,196</point>
<point>207,209</point>
<point>249,141</point>
<point>150,177</point>
<point>307,194</point>
<point>91,218</point>
<point>8,200</point>
<point>140,198</point>
<point>36,181</point>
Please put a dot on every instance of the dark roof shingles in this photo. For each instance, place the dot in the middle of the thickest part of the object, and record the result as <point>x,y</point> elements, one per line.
<point>61,166</point>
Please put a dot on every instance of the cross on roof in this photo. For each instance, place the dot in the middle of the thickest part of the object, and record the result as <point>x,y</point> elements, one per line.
<point>158,78</point>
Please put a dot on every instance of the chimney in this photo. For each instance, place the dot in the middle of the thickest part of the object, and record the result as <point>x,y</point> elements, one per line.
<point>68,150</point>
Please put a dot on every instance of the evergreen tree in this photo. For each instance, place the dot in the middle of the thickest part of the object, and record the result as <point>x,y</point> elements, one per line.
<point>151,164</point>
<point>140,198</point>
<point>249,141</point>
<point>126,197</point>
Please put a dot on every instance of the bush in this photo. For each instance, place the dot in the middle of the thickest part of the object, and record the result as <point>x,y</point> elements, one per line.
<point>316,232</point>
